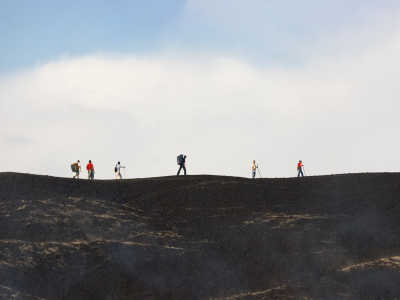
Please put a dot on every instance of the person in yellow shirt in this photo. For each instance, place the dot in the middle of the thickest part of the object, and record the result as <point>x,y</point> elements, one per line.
<point>254,169</point>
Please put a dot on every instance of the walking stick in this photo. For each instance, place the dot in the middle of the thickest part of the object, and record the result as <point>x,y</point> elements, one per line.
<point>122,174</point>
<point>259,171</point>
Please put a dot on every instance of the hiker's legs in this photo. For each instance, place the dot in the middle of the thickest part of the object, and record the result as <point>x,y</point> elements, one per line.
<point>179,171</point>
<point>253,174</point>
<point>119,175</point>
<point>300,173</point>
<point>184,170</point>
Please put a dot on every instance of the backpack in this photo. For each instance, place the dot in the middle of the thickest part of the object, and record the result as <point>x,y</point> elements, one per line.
<point>179,159</point>
<point>74,167</point>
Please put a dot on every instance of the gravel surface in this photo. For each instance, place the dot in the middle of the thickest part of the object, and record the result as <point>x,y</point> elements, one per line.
<point>200,237</point>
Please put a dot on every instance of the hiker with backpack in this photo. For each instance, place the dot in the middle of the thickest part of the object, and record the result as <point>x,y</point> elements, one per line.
<point>117,170</point>
<point>254,167</point>
<point>181,160</point>
<point>76,168</point>
<point>300,167</point>
<point>90,169</point>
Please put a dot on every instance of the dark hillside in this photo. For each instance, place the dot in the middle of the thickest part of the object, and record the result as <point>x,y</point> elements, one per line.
<point>200,237</point>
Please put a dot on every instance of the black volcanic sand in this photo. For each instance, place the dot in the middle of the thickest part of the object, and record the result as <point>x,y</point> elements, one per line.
<point>200,237</point>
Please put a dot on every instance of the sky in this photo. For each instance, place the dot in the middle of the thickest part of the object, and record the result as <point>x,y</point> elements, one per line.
<point>223,81</point>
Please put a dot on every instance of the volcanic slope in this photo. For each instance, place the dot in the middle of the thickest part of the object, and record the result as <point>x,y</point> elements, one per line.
<point>200,237</point>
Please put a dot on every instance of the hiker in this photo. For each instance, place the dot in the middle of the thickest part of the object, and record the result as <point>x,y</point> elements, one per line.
<point>90,169</point>
<point>300,169</point>
<point>181,159</point>
<point>76,168</point>
<point>117,170</point>
<point>253,169</point>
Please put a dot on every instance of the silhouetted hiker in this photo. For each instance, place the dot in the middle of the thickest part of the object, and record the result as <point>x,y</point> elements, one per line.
<point>181,159</point>
<point>117,170</point>
<point>90,169</point>
<point>76,168</point>
<point>300,169</point>
<point>253,169</point>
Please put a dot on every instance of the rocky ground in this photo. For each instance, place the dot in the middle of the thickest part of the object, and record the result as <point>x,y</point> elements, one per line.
<point>200,237</point>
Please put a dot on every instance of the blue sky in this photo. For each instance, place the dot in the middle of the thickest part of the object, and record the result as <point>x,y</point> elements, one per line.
<point>223,81</point>
<point>34,32</point>
<point>38,31</point>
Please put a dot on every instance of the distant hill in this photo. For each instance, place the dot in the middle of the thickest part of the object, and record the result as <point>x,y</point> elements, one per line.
<point>200,237</point>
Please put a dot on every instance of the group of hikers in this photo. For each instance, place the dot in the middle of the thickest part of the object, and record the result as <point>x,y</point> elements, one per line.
<point>76,168</point>
<point>181,161</point>
<point>255,168</point>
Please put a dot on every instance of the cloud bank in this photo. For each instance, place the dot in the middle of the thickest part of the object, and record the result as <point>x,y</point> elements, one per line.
<point>338,112</point>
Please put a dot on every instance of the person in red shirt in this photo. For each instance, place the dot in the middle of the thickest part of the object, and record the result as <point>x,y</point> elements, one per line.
<point>90,169</point>
<point>300,169</point>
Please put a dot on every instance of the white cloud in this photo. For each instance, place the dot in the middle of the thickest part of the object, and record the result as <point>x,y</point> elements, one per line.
<point>338,114</point>
<point>280,32</point>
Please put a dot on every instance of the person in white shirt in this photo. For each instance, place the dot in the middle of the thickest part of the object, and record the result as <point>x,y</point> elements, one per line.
<point>117,170</point>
